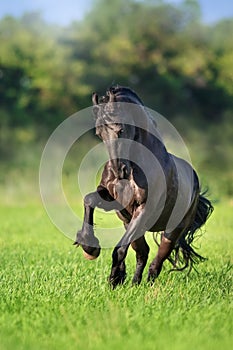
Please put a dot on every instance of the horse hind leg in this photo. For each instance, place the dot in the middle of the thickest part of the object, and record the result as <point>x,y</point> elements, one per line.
<point>182,237</point>
<point>142,251</point>
<point>164,251</point>
<point>168,243</point>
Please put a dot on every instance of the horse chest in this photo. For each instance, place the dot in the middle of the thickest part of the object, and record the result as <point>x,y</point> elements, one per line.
<point>127,193</point>
<point>139,193</point>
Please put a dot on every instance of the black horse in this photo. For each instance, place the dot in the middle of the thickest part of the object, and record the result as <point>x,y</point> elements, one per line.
<point>149,188</point>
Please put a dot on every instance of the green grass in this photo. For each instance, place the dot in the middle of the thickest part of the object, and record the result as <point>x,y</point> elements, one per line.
<point>51,298</point>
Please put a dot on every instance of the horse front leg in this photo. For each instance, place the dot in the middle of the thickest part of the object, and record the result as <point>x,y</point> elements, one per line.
<point>118,271</point>
<point>135,230</point>
<point>85,237</point>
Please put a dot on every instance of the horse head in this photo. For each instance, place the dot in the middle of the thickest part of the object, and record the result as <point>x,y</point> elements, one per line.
<point>115,126</point>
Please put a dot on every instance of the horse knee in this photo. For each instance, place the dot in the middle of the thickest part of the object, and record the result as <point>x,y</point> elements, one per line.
<point>96,199</point>
<point>119,254</point>
<point>90,200</point>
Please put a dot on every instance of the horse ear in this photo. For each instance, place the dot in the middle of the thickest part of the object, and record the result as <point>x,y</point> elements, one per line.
<point>95,101</point>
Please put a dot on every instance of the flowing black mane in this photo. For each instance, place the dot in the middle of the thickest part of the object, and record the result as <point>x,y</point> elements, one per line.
<point>121,94</point>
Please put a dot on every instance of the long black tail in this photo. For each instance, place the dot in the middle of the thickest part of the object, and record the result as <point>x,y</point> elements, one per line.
<point>184,255</point>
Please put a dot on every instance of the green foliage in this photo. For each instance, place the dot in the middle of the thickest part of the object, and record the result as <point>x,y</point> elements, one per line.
<point>161,50</point>
<point>179,66</point>
<point>35,73</point>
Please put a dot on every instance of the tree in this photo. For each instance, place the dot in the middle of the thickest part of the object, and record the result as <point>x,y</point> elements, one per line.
<point>162,51</point>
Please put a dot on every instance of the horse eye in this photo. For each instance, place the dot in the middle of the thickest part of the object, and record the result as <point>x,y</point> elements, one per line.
<point>120,131</point>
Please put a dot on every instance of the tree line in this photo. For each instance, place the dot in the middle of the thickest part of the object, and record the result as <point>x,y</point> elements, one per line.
<point>177,64</point>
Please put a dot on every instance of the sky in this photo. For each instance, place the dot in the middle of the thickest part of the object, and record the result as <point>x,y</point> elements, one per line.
<point>65,11</point>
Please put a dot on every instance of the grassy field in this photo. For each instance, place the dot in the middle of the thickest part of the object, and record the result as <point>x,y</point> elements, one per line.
<point>51,298</point>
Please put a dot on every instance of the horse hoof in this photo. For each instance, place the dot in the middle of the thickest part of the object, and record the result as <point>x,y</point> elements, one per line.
<point>92,255</point>
<point>151,279</point>
<point>117,280</point>
<point>89,257</point>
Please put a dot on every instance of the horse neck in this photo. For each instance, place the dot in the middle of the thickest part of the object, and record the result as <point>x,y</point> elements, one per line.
<point>152,141</point>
